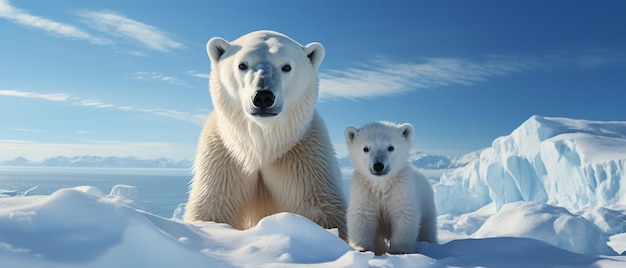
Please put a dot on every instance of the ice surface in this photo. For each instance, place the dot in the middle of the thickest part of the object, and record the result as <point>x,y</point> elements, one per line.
<point>124,193</point>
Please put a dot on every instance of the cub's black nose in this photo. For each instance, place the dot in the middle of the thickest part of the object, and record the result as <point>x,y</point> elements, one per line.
<point>378,167</point>
<point>263,99</point>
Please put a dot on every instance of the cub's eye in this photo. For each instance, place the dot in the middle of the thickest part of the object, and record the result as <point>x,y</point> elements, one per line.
<point>390,148</point>
<point>365,149</point>
<point>242,66</point>
<point>286,68</point>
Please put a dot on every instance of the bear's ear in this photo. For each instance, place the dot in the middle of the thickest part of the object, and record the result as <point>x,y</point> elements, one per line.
<point>407,130</point>
<point>216,47</point>
<point>315,52</point>
<point>350,134</point>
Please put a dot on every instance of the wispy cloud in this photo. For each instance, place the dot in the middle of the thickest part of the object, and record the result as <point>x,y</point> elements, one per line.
<point>197,119</point>
<point>111,24</point>
<point>115,24</point>
<point>381,77</point>
<point>195,73</point>
<point>73,100</point>
<point>27,130</point>
<point>147,76</point>
<point>22,17</point>
<point>25,94</point>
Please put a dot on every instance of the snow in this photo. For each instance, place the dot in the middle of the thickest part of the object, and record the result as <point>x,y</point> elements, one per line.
<point>551,224</point>
<point>81,227</point>
<point>550,194</point>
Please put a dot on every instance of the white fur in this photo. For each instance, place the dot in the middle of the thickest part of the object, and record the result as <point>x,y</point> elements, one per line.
<point>248,166</point>
<point>394,204</point>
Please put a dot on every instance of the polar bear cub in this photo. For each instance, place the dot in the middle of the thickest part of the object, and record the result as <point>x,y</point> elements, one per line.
<point>389,199</point>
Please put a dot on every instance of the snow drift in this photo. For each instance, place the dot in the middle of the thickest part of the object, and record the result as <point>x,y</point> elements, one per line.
<point>81,227</point>
<point>575,164</point>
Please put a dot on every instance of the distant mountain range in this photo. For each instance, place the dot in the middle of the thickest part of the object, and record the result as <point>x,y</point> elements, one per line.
<point>98,161</point>
<point>418,159</point>
<point>429,161</point>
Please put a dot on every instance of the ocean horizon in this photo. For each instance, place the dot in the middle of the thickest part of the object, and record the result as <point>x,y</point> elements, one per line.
<point>159,190</point>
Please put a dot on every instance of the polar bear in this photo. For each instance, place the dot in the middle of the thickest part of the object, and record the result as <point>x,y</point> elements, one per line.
<point>389,199</point>
<point>264,149</point>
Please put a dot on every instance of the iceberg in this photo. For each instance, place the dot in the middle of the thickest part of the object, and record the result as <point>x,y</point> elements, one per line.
<point>575,164</point>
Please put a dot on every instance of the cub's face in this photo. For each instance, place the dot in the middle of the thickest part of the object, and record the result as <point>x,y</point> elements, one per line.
<point>264,72</point>
<point>380,148</point>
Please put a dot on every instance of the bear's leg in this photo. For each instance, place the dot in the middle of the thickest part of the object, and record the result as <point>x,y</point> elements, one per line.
<point>428,230</point>
<point>363,231</point>
<point>260,204</point>
<point>306,194</point>
<point>220,191</point>
<point>306,180</point>
<point>405,227</point>
<point>215,197</point>
<point>380,245</point>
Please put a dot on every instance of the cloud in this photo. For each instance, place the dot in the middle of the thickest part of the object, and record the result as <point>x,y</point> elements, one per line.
<point>27,130</point>
<point>24,94</point>
<point>195,73</point>
<point>107,22</point>
<point>22,17</point>
<point>382,77</point>
<point>117,25</point>
<point>147,76</point>
<point>197,119</point>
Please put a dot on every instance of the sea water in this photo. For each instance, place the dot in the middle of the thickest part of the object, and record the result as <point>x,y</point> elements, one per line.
<point>159,191</point>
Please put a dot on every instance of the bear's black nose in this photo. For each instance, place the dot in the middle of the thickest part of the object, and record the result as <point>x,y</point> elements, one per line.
<point>378,167</point>
<point>263,99</point>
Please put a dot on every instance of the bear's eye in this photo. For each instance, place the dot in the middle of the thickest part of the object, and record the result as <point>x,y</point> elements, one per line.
<point>365,149</point>
<point>390,148</point>
<point>242,66</point>
<point>286,68</point>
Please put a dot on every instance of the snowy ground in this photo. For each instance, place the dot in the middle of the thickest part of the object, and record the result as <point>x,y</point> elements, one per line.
<point>553,193</point>
<point>84,228</point>
<point>81,227</point>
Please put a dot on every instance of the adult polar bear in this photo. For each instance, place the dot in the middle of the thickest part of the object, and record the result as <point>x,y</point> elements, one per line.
<point>265,149</point>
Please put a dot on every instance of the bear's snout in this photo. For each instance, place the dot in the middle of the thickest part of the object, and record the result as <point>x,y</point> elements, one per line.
<point>378,167</point>
<point>263,99</point>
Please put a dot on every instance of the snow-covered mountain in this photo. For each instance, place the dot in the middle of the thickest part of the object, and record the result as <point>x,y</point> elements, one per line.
<point>97,161</point>
<point>428,161</point>
<point>575,164</point>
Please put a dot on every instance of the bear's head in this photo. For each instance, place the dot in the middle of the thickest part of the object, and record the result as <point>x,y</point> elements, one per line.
<point>263,73</point>
<point>379,149</point>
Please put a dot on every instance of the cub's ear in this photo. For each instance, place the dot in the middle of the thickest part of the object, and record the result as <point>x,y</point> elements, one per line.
<point>216,47</point>
<point>407,131</point>
<point>315,52</point>
<point>350,134</point>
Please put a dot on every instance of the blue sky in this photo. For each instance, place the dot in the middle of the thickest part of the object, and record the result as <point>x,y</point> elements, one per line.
<point>130,78</point>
